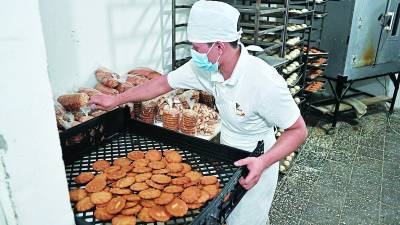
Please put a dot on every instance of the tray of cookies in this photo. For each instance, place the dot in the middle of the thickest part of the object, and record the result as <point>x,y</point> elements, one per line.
<point>138,173</point>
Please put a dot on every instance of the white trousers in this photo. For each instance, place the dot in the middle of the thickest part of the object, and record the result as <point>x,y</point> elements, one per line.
<point>254,207</point>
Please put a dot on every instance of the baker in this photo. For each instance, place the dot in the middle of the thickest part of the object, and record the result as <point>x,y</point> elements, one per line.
<point>250,95</point>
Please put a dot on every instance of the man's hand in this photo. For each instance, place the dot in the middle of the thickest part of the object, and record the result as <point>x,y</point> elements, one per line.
<point>255,166</point>
<point>103,102</point>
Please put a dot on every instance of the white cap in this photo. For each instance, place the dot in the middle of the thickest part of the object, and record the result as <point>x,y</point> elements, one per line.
<point>211,21</point>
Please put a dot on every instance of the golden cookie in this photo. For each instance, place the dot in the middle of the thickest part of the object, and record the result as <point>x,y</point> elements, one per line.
<point>164,198</point>
<point>96,185</point>
<point>173,189</point>
<point>142,169</point>
<point>125,182</point>
<point>122,162</point>
<point>131,197</point>
<point>212,190</point>
<point>155,185</point>
<point>194,175</point>
<point>101,214</point>
<point>139,186</point>
<point>147,203</point>
<point>135,155</point>
<point>161,179</point>
<point>177,208</point>
<point>145,216</point>
<point>112,169</point>
<point>100,197</point>
<point>186,168</point>
<point>132,210</point>
<point>191,194</point>
<point>127,168</point>
<point>84,205</point>
<point>101,165</point>
<point>173,157</point>
<point>115,205</point>
<point>159,213</point>
<point>161,171</point>
<point>131,174</point>
<point>207,180</point>
<point>141,163</point>
<point>150,193</point>
<point>143,177</point>
<point>180,180</point>
<point>123,220</point>
<point>77,194</point>
<point>120,191</point>
<point>179,174</point>
<point>129,205</point>
<point>174,167</point>
<point>116,175</point>
<point>204,196</point>
<point>191,183</point>
<point>194,205</point>
<point>157,165</point>
<point>153,155</point>
<point>84,177</point>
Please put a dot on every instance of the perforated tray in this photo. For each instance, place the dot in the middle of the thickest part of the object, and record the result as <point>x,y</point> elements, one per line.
<point>114,134</point>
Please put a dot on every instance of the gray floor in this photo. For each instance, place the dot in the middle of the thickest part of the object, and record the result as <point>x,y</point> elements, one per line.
<point>350,177</point>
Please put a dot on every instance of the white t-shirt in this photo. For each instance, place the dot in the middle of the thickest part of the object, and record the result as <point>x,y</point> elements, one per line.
<point>253,100</point>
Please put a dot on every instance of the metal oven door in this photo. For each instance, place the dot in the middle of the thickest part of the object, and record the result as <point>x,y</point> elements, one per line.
<point>389,46</point>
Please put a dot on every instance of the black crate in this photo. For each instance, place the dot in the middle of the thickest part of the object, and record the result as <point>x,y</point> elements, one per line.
<point>114,134</point>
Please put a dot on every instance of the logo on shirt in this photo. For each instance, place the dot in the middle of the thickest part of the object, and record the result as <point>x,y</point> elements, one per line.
<point>239,110</point>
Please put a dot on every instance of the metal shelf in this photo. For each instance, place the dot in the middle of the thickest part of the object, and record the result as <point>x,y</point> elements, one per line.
<point>252,9</point>
<point>272,60</point>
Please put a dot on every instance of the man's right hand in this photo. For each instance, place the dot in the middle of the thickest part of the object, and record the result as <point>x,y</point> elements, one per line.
<point>103,102</point>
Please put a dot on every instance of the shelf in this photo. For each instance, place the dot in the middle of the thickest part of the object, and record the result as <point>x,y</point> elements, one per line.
<point>299,30</point>
<point>321,66</point>
<point>261,10</point>
<point>272,60</point>
<point>288,74</point>
<point>268,29</point>
<point>302,15</point>
<point>318,15</point>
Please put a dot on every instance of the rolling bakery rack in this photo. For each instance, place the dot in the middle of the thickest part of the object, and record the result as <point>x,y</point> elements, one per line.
<point>114,134</point>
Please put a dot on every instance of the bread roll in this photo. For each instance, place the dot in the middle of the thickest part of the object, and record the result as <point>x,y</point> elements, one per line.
<point>106,90</point>
<point>107,77</point>
<point>73,101</point>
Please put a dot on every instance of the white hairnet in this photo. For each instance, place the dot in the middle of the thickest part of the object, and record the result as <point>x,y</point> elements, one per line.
<point>211,21</point>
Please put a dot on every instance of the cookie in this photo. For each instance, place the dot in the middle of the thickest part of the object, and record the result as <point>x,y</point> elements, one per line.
<point>159,213</point>
<point>84,205</point>
<point>96,185</point>
<point>77,194</point>
<point>125,182</point>
<point>155,185</point>
<point>84,177</point>
<point>204,196</point>
<point>177,207</point>
<point>101,214</point>
<point>139,186</point>
<point>120,191</point>
<point>194,205</point>
<point>194,175</point>
<point>212,190</point>
<point>132,210</point>
<point>100,197</point>
<point>131,197</point>
<point>173,157</point>
<point>191,183</point>
<point>186,168</point>
<point>122,162</point>
<point>150,193</point>
<point>101,165</point>
<point>112,169</point>
<point>164,198</point>
<point>123,220</point>
<point>161,171</point>
<point>161,179</point>
<point>191,194</point>
<point>130,174</point>
<point>127,168</point>
<point>116,175</point>
<point>173,189</point>
<point>135,155</point>
<point>179,174</point>
<point>207,180</point>
<point>142,169</point>
<point>115,205</point>
<point>157,165</point>
<point>174,167</point>
<point>147,203</point>
<point>145,216</point>
<point>131,204</point>
<point>180,180</point>
<point>153,155</point>
<point>143,177</point>
<point>141,163</point>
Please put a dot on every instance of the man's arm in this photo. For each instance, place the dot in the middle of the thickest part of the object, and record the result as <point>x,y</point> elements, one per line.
<point>286,144</point>
<point>146,91</point>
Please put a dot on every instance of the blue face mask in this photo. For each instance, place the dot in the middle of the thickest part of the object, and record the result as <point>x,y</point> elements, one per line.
<point>201,61</point>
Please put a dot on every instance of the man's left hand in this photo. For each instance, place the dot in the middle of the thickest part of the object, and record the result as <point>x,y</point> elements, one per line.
<point>256,166</point>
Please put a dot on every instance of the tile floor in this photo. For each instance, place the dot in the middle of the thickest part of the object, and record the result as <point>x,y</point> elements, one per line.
<point>349,177</point>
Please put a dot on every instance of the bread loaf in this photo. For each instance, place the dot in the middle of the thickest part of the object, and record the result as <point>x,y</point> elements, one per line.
<point>73,101</point>
<point>106,90</point>
<point>107,77</point>
<point>89,91</point>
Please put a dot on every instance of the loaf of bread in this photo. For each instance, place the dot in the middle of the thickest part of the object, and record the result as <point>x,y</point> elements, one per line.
<point>107,77</point>
<point>89,91</point>
<point>73,101</point>
<point>106,90</point>
<point>146,72</point>
<point>122,87</point>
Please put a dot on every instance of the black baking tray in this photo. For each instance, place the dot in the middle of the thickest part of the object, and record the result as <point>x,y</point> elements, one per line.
<point>114,134</point>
